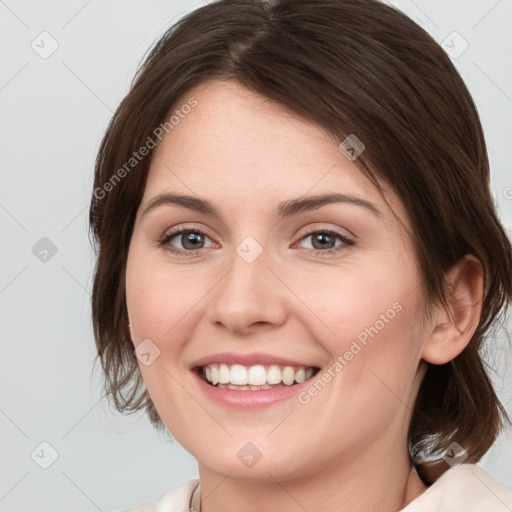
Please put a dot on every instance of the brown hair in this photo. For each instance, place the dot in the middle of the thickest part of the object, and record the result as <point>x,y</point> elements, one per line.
<point>352,67</point>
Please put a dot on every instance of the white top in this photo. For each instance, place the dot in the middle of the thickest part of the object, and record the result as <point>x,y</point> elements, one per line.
<point>460,489</point>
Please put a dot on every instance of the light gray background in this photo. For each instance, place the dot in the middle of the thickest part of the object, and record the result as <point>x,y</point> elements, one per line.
<point>53,113</point>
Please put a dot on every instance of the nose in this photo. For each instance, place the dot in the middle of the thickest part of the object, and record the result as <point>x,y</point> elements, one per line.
<point>249,298</point>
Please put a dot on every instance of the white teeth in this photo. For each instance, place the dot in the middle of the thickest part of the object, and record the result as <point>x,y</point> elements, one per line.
<point>223,374</point>
<point>233,386</point>
<point>288,375</point>
<point>274,374</point>
<point>300,375</point>
<point>238,375</point>
<point>255,377</point>
<point>214,374</point>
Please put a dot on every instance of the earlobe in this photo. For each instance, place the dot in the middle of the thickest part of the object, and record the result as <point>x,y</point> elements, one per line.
<point>453,329</point>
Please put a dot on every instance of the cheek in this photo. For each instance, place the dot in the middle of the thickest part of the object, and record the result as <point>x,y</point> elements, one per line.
<point>158,298</point>
<point>160,307</point>
<point>351,302</point>
<point>368,316</point>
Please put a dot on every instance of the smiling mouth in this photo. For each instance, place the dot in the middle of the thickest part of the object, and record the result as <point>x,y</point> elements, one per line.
<point>254,378</point>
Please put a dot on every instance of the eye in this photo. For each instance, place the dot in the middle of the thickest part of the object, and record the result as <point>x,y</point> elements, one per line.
<point>191,240</point>
<point>324,241</point>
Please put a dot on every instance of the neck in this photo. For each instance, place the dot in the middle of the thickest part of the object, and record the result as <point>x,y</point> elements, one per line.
<point>360,486</point>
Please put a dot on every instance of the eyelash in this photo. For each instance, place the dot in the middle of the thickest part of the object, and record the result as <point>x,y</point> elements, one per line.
<point>164,241</point>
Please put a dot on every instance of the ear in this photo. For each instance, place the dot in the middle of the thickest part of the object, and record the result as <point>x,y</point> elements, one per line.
<point>452,330</point>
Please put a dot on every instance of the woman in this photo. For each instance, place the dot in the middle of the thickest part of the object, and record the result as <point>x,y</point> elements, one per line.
<point>299,260</point>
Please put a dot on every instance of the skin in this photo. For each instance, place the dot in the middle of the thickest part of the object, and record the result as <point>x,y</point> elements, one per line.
<point>345,450</point>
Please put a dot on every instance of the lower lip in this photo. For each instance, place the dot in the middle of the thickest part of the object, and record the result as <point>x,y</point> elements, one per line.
<point>248,399</point>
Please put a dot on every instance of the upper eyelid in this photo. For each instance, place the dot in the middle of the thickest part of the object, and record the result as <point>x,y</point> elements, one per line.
<point>323,226</point>
<point>301,232</point>
<point>309,230</point>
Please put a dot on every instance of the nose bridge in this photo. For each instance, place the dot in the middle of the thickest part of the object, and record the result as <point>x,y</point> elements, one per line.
<point>248,293</point>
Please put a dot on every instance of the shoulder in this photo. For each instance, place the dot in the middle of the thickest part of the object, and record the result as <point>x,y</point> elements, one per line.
<point>462,488</point>
<point>176,500</point>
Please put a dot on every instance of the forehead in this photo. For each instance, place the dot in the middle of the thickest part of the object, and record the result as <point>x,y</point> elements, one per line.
<point>238,146</point>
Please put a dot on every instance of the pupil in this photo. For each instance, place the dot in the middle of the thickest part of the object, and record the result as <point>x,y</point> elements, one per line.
<point>319,238</point>
<point>190,239</point>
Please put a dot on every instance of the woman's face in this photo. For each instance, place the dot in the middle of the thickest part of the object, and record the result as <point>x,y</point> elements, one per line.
<point>272,280</point>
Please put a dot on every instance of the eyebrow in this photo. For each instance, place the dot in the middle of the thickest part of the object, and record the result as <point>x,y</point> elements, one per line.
<point>285,209</point>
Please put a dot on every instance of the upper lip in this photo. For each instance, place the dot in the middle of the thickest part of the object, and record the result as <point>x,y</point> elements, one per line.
<point>248,360</point>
